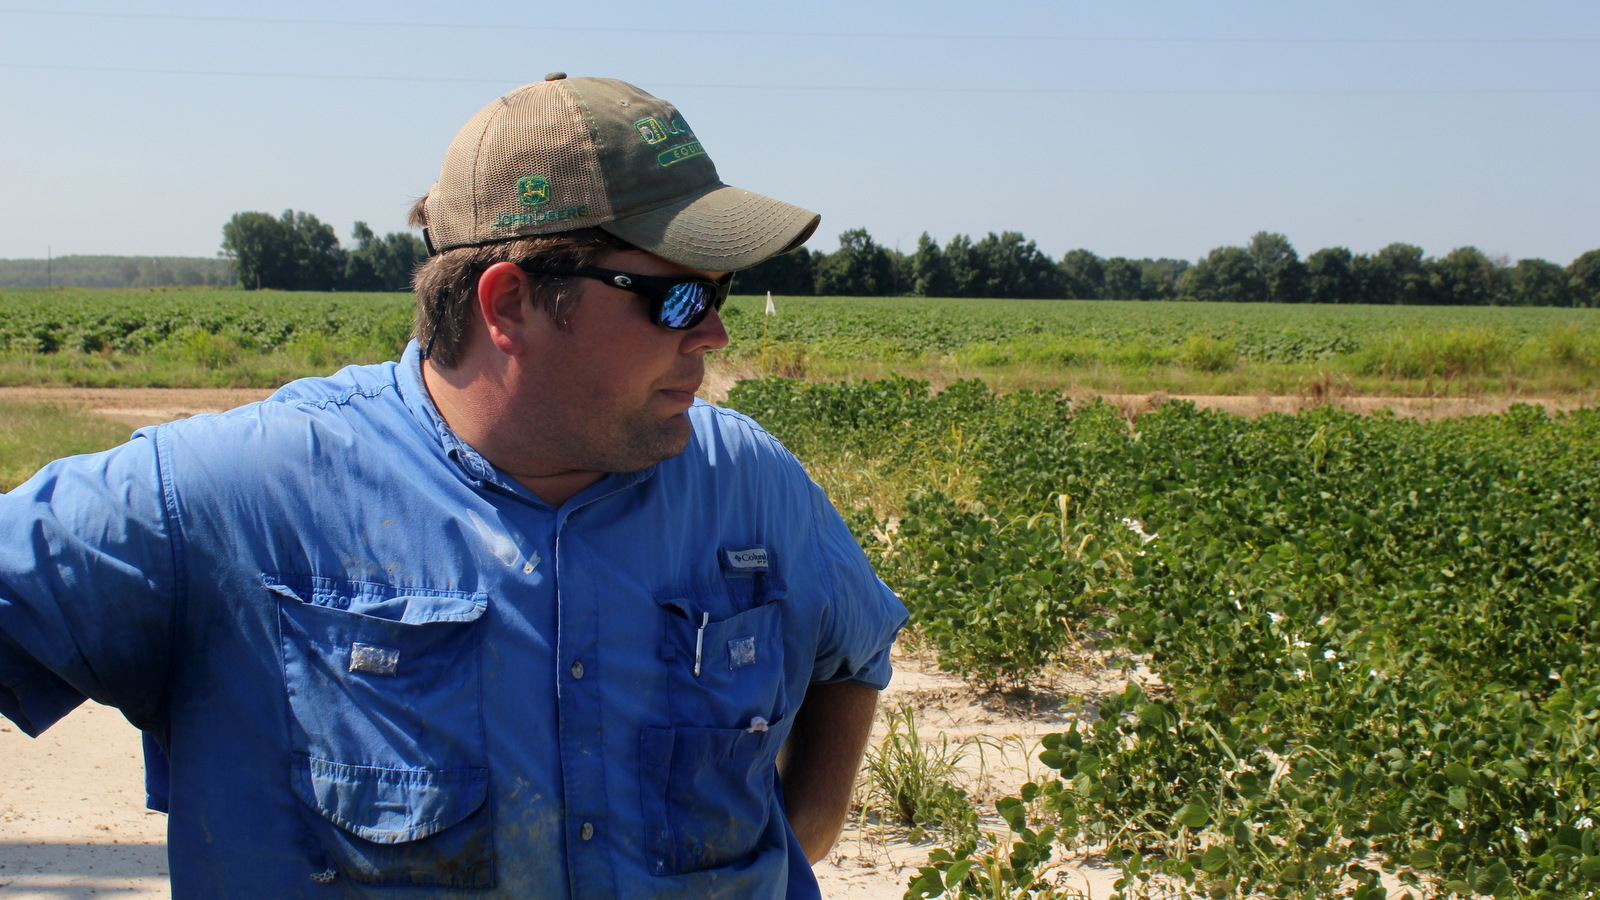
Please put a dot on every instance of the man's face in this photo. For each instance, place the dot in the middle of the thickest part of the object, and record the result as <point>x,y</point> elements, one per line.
<point>609,392</point>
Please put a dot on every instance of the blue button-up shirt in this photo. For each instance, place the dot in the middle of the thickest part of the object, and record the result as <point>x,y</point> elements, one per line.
<point>379,666</point>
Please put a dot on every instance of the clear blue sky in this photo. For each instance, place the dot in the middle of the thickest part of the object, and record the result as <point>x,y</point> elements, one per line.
<point>1131,128</point>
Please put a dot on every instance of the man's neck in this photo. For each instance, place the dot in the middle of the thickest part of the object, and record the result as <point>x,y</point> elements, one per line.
<point>472,414</point>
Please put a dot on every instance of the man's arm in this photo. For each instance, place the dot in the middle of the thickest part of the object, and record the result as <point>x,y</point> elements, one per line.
<point>820,760</point>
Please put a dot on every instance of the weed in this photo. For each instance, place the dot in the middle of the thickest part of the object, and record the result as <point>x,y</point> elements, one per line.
<point>1447,354</point>
<point>913,782</point>
<point>1208,354</point>
<point>206,350</point>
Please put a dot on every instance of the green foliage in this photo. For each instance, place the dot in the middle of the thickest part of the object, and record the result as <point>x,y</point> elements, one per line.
<point>1226,275</point>
<point>122,337</point>
<point>1583,280</point>
<point>296,251</point>
<point>381,263</point>
<point>858,268</point>
<point>1280,267</point>
<point>299,252</point>
<point>1330,278</point>
<point>1437,354</point>
<point>1206,353</point>
<point>176,338</point>
<point>787,275</point>
<point>1375,636</point>
<point>1076,332</point>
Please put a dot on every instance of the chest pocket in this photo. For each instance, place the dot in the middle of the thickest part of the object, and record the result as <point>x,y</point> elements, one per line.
<point>707,782</point>
<point>387,736</point>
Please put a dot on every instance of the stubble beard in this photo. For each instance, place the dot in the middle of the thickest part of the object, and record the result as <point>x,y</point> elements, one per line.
<point>636,443</point>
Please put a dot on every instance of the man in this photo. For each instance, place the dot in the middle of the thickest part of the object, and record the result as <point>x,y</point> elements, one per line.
<point>514,617</point>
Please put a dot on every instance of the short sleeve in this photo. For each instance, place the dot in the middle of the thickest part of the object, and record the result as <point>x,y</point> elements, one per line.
<point>87,581</point>
<point>863,614</point>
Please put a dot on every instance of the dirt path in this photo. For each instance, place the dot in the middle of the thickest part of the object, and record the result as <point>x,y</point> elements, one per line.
<point>72,816</point>
<point>138,407</point>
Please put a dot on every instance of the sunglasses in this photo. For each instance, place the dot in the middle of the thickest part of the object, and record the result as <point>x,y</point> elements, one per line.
<point>678,304</point>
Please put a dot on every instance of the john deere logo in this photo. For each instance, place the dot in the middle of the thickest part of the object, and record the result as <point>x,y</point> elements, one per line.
<point>533,190</point>
<point>653,130</point>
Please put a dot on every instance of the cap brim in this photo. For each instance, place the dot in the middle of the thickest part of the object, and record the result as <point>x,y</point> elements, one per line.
<point>722,230</point>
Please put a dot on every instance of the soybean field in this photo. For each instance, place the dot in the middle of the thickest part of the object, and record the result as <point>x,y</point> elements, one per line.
<point>195,337</point>
<point>1375,638</point>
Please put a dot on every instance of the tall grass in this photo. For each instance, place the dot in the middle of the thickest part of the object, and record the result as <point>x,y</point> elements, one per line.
<point>32,434</point>
<point>1446,354</point>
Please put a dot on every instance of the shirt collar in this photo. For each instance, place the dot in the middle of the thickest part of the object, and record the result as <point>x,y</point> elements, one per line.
<point>477,469</point>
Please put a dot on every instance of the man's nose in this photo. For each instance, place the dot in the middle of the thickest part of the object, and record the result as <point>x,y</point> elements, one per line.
<point>710,334</point>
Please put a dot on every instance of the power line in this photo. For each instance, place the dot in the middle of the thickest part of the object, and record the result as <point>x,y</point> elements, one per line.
<point>853,89</point>
<point>703,32</point>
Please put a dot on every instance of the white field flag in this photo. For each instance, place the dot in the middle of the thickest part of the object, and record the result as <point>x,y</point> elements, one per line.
<point>771,310</point>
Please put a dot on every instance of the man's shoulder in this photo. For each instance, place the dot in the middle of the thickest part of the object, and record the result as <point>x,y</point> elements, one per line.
<point>720,432</point>
<point>339,388</point>
<point>354,399</point>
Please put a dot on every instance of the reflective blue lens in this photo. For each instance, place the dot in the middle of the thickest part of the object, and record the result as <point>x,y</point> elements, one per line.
<point>685,305</point>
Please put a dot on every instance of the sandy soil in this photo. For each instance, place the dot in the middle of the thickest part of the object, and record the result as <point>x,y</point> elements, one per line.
<point>138,407</point>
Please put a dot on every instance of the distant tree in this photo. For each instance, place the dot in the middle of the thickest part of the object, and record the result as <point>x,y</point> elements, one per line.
<point>1014,267</point>
<point>261,249</point>
<point>1083,275</point>
<point>930,274</point>
<point>1124,279</point>
<point>319,260</point>
<point>859,268</point>
<point>1538,282</point>
<point>1226,274</point>
<point>360,272</point>
<point>1583,280</point>
<point>1396,274</point>
<point>900,280</point>
<point>1158,278</point>
<point>791,274</point>
<point>966,274</point>
<point>382,264</point>
<point>295,251</point>
<point>1280,267</point>
<point>1330,277</point>
<point>1465,277</point>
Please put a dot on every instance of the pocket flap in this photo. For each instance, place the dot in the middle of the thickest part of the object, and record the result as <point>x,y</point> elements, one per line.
<point>390,806</point>
<point>408,606</point>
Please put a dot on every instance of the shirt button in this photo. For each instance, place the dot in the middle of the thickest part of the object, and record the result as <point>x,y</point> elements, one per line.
<point>577,672</point>
<point>586,832</point>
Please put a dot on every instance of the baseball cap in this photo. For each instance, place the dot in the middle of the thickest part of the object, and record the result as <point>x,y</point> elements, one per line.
<point>569,153</point>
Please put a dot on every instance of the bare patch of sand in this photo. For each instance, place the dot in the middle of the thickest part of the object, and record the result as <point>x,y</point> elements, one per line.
<point>138,407</point>
<point>148,406</point>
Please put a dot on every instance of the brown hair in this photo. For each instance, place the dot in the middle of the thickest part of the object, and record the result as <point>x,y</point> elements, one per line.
<point>446,284</point>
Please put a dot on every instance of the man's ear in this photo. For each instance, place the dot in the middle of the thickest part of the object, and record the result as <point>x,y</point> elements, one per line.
<point>502,301</point>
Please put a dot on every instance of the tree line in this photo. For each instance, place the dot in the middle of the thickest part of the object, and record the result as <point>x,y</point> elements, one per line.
<point>1267,269</point>
<point>116,272</point>
<point>298,252</point>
